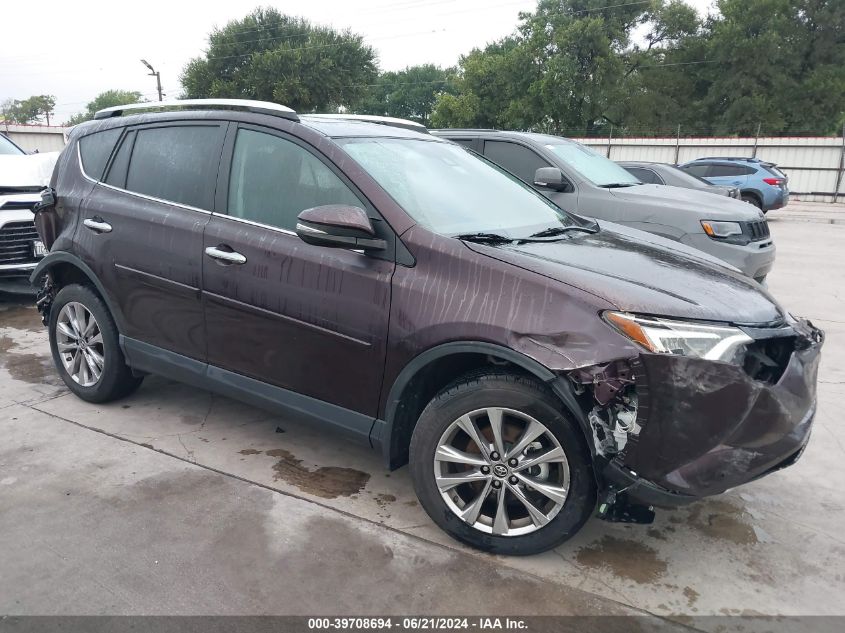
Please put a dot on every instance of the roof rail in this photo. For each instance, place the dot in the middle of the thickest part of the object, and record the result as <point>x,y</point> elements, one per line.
<point>466,129</point>
<point>745,158</point>
<point>371,118</point>
<point>247,105</point>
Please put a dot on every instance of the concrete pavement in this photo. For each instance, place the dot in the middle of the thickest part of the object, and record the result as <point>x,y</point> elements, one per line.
<point>250,513</point>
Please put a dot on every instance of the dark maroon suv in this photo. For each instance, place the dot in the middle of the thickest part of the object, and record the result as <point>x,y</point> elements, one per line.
<point>533,366</point>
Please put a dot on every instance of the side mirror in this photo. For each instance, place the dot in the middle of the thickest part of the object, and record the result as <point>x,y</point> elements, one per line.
<point>338,226</point>
<point>551,178</point>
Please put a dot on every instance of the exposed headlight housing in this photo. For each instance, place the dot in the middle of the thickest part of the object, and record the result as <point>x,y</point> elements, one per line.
<point>684,338</point>
<point>715,228</point>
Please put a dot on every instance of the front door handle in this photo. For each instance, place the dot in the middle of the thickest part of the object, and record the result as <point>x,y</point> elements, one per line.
<point>230,257</point>
<point>97,225</point>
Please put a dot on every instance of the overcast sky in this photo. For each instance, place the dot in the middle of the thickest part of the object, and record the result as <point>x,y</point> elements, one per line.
<point>75,49</point>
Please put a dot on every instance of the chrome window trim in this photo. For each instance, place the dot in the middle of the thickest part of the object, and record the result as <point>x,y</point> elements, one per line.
<point>81,167</point>
<point>154,199</point>
<point>254,223</point>
<point>277,229</point>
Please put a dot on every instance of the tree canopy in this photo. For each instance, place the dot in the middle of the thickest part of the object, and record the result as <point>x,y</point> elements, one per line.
<point>30,110</point>
<point>107,99</point>
<point>407,94</point>
<point>275,57</point>
<point>579,66</point>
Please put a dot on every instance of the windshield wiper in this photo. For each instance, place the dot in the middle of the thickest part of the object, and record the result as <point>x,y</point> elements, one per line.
<point>560,230</point>
<point>617,185</point>
<point>487,238</point>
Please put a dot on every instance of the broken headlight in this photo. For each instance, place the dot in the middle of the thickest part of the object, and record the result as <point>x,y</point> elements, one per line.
<point>684,338</point>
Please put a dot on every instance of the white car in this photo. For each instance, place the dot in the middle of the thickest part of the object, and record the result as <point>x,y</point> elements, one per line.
<point>22,177</point>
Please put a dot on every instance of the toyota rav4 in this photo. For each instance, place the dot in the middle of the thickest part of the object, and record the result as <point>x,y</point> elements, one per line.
<point>532,366</point>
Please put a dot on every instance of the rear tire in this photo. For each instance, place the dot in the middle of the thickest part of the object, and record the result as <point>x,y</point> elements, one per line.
<point>472,512</point>
<point>85,346</point>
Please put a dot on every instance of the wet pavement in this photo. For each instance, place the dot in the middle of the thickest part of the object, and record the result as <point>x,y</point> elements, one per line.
<point>169,467</point>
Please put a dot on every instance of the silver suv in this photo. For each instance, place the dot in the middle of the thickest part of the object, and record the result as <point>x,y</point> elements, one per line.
<point>22,177</point>
<point>583,181</point>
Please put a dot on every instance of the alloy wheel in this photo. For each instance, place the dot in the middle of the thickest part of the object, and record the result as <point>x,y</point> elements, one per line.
<point>501,471</point>
<point>80,344</point>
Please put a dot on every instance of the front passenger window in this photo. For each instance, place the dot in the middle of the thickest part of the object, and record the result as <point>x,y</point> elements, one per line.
<point>273,180</point>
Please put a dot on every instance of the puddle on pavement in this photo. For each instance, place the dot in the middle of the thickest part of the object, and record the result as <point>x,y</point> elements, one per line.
<point>21,317</point>
<point>249,451</point>
<point>721,520</point>
<point>624,558</point>
<point>328,482</point>
<point>36,369</point>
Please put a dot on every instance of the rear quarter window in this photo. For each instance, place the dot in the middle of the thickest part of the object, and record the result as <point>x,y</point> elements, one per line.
<point>95,149</point>
<point>176,163</point>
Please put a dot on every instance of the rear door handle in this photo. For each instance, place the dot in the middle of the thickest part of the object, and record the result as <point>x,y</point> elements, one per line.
<point>97,225</point>
<point>230,257</point>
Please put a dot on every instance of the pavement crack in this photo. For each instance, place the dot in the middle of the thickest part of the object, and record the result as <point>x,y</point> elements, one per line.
<point>190,454</point>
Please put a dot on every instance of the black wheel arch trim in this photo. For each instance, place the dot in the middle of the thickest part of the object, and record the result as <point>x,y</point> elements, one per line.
<point>381,436</point>
<point>55,258</point>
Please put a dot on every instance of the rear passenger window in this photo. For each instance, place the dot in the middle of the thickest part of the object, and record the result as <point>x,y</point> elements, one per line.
<point>699,170</point>
<point>273,180</point>
<point>176,163</point>
<point>519,160</point>
<point>95,149</point>
<point>726,171</point>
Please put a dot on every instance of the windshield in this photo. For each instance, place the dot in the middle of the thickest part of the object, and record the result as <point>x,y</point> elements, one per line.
<point>7,147</point>
<point>599,170</point>
<point>453,192</point>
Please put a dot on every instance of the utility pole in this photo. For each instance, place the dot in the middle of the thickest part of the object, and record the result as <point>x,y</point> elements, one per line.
<point>154,73</point>
<point>678,144</point>
<point>756,140</point>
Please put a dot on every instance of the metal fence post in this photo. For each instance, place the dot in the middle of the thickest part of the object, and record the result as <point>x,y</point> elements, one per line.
<point>756,137</point>
<point>678,144</point>
<point>841,167</point>
<point>609,139</point>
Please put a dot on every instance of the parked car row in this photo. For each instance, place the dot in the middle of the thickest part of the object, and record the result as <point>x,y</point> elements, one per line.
<point>533,366</point>
<point>650,173</point>
<point>583,181</point>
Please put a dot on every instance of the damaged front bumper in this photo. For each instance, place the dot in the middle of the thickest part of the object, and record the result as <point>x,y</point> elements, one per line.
<point>702,426</point>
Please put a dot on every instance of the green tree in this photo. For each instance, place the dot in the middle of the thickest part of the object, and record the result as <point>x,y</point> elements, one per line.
<point>34,108</point>
<point>779,63</point>
<point>275,57</point>
<point>409,94</point>
<point>495,89</point>
<point>107,99</point>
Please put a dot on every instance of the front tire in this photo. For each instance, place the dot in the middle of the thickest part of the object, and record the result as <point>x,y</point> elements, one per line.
<point>85,347</point>
<point>498,465</point>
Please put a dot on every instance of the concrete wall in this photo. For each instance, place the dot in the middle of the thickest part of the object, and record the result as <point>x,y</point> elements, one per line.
<point>814,164</point>
<point>43,138</point>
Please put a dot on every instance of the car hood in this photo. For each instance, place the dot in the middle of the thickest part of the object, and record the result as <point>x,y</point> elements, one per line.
<point>709,206</point>
<point>27,170</point>
<point>642,273</point>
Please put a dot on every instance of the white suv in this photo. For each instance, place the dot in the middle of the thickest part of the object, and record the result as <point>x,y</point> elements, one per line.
<point>22,177</point>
